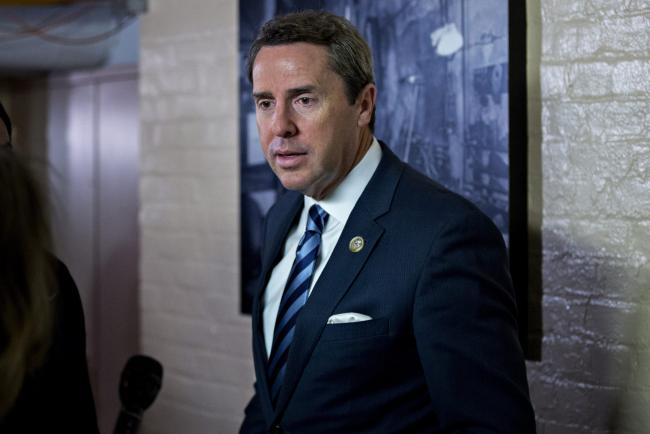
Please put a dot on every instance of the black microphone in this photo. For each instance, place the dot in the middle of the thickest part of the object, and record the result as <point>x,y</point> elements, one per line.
<point>140,383</point>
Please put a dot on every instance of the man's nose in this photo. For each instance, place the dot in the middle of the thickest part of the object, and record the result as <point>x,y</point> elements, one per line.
<point>283,125</point>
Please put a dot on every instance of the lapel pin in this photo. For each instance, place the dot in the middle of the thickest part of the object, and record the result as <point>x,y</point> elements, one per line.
<point>356,244</point>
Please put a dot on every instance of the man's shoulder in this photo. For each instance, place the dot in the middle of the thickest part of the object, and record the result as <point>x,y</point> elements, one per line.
<point>418,192</point>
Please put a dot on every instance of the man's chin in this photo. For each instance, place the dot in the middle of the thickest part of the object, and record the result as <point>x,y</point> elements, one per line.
<point>294,184</point>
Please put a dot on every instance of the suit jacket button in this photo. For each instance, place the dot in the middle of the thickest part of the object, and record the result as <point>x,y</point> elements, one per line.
<point>276,429</point>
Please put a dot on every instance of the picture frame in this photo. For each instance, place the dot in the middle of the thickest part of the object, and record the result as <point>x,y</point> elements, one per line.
<point>451,80</point>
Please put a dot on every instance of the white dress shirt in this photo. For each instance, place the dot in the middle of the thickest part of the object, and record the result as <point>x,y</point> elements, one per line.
<point>339,205</point>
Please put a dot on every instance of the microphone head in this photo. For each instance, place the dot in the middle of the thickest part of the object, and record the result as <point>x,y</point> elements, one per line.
<point>140,383</point>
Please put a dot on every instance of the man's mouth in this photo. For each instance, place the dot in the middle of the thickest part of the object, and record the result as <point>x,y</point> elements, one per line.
<point>289,159</point>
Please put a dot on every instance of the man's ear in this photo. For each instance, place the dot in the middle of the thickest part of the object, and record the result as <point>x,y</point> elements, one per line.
<point>366,101</point>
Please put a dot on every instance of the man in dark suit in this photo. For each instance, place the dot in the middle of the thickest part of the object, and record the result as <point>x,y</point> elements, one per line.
<point>385,303</point>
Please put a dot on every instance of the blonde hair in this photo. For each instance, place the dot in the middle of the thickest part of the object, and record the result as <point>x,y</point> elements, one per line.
<point>26,277</point>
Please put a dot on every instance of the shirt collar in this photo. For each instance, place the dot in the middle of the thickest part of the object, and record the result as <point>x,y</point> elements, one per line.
<point>341,201</point>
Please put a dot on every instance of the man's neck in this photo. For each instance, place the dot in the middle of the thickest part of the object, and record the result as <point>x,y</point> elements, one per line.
<point>365,140</point>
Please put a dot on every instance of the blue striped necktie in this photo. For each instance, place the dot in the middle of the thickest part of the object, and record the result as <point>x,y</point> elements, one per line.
<point>294,297</point>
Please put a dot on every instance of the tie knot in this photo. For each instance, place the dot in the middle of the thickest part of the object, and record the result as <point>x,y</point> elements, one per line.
<point>317,219</point>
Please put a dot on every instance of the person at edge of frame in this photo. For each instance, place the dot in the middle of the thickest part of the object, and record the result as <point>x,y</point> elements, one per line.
<point>44,383</point>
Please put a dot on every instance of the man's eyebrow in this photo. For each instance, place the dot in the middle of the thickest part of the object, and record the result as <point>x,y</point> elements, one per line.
<point>293,92</point>
<point>300,90</point>
<point>260,95</point>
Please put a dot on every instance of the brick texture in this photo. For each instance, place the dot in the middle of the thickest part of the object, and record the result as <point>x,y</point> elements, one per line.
<point>189,272</point>
<point>594,121</point>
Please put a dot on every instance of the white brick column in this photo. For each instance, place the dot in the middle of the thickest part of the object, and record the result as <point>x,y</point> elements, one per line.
<point>189,217</point>
<point>594,62</point>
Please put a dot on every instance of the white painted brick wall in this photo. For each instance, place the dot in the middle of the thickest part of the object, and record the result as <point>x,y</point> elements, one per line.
<point>594,63</point>
<point>189,192</point>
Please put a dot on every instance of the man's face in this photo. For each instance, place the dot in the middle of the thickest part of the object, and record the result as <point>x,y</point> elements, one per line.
<point>309,131</point>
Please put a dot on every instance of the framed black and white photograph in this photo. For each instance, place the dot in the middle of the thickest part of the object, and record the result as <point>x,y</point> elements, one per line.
<point>451,103</point>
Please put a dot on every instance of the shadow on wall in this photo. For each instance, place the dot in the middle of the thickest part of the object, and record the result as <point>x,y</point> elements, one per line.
<point>632,413</point>
<point>595,303</point>
<point>534,305</point>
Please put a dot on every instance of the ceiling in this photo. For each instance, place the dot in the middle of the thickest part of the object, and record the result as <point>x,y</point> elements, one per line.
<point>55,35</point>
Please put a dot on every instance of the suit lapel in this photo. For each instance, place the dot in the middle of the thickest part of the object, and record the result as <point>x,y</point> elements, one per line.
<point>278,225</point>
<point>341,270</point>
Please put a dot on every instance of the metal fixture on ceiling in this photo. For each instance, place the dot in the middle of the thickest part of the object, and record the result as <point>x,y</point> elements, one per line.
<point>50,35</point>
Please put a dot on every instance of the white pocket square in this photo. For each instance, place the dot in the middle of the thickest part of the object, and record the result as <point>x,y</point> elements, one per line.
<point>341,318</point>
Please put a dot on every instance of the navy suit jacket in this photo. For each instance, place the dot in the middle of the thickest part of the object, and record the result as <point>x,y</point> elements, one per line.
<point>441,352</point>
